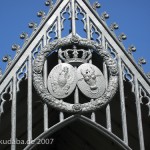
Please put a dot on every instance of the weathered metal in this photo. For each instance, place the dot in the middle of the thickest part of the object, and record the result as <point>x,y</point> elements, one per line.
<point>75,72</point>
<point>91,81</point>
<point>49,99</point>
<point>62,80</point>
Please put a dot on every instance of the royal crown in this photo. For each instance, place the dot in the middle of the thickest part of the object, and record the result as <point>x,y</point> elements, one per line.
<point>75,55</point>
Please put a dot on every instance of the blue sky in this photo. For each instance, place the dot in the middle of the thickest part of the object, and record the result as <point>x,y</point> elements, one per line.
<point>131,15</point>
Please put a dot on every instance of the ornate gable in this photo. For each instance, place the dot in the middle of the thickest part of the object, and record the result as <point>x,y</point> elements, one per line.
<point>74,68</point>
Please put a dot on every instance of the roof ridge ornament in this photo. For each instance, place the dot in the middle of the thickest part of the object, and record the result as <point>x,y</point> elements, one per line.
<point>131,49</point>
<point>104,16</point>
<point>49,3</point>
<point>96,5</point>
<point>24,36</point>
<point>122,37</point>
<point>41,14</point>
<point>16,47</point>
<point>7,59</point>
<point>32,25</point>
<point>114,26</point>
<point>141,62</point>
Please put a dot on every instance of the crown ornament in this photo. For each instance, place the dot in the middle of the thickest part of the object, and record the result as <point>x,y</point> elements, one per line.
<point>61,75</point>
<point>75,55</point>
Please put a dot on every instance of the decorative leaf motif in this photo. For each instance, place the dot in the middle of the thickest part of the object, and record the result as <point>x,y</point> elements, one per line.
<point>32,25</point>
<point>7,59</point>
<point>23,36</point>
<point>96,5</point>
<point>16,47</point>
<point>104,16</point>
<point>122,37</point>
<point>131,49</point>
<point>114,26</point>
<point>41,14</point>
<point>49,3</point>
<point>141,62</point>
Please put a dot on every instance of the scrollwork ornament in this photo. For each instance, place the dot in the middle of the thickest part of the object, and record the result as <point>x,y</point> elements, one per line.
<point>48,98</point>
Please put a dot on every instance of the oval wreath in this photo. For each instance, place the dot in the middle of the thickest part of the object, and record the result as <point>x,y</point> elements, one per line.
<point>46,96</point>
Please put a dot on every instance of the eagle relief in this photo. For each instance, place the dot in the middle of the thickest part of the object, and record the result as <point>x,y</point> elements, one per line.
<point>62,80</point>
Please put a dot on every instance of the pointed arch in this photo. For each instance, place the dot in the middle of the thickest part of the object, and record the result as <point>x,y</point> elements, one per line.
<point>100,129</point>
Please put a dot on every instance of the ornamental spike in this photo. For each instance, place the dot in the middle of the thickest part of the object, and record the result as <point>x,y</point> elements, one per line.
<point>41,14</point>
<point>7,59</point>
<point>49,3</point>
<point>96,5</point>
<point>122,37</point>
<point>141,62</point>
<point>131,49</point>
<point>32,25</point>
<point>104,16</point>
<point>23,36</point>
<point>114,26</point>
<point>15,47</point>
